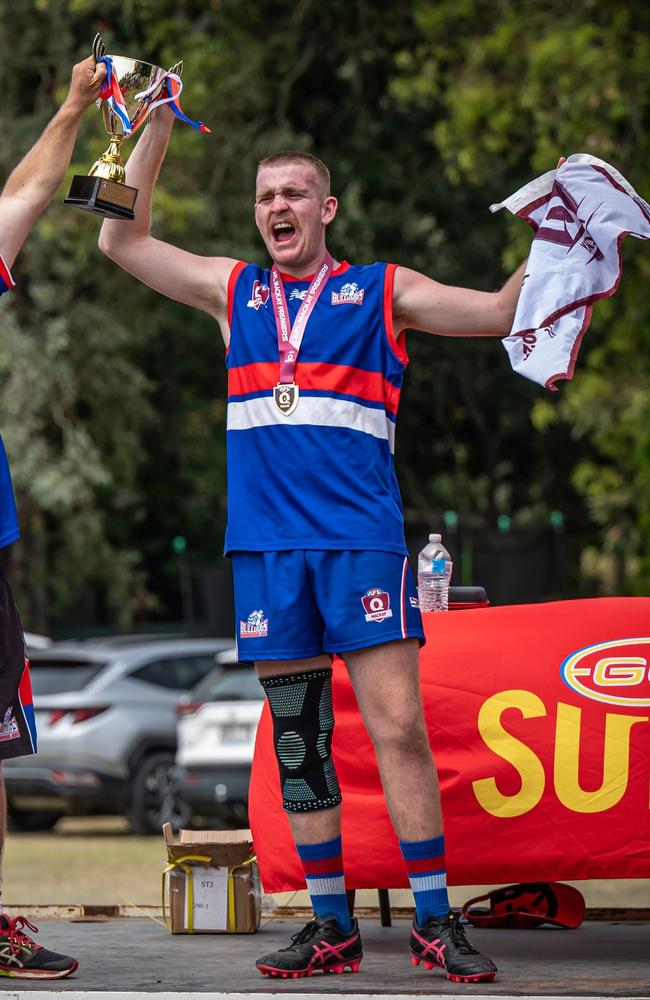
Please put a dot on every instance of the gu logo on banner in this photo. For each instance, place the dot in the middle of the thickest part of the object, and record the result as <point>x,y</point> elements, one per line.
<point>350,294</point>
<point>256,626</point>
<point>259,295</point>
<point>376,604</point>
<point>616,672</point>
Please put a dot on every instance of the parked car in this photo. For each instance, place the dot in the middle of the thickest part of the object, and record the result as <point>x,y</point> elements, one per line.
<point>216,737</point>
<point>35,641</point>
<point>106,719</point>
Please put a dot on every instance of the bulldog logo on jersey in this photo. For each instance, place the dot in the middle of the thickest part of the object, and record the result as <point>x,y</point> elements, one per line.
<point>350,294</point>
<point>259,295</point>
<point>376,604</point>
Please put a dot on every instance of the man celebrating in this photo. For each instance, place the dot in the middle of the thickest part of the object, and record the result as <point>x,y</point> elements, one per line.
<point>27,193</point>
<point>315,357</point>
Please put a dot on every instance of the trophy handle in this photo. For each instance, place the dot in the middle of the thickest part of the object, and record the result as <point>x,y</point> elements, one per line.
<point>98,49</point>
<point>177,68</point>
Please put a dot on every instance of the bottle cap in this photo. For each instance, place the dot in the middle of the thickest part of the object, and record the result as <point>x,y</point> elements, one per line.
<point>435,538</point>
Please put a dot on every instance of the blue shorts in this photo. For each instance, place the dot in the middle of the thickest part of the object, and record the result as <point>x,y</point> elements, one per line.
<point>299,604</point>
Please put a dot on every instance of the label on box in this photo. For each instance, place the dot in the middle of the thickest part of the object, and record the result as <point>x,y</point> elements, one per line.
<point>210,899</point>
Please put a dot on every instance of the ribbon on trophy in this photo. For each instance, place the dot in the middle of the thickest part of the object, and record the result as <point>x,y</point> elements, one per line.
<point>174,85</point>
<point>183,865</point>
<point>171,85</point>
<point>111,93</point>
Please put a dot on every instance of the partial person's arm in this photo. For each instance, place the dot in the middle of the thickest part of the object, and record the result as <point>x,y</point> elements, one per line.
<point>34,182</point>
<point>197,281</point>
<point>420,303</point>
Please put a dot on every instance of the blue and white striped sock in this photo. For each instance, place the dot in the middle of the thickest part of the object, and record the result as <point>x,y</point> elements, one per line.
<point>425,864</point>
<point>323,867</point>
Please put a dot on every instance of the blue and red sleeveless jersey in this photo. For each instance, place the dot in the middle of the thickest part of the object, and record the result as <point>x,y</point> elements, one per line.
<point>323,476</point>
<point>9,530</point>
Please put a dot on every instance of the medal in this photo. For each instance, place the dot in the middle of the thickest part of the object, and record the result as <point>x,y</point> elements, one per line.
<point>285,397</point>
<point>287,392</point>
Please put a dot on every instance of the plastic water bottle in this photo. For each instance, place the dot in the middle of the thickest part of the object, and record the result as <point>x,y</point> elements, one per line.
<point>434,574</point>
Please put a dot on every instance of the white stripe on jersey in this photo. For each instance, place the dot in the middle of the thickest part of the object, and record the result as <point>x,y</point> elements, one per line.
<point>324,411</point>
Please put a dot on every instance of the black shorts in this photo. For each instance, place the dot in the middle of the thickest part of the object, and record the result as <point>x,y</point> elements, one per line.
<point>17,724</point>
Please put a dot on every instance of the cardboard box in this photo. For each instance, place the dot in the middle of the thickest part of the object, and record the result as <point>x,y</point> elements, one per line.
<point>211,882</point>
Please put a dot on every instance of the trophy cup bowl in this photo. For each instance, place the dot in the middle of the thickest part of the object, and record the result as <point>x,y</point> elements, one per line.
<point>103,191</point>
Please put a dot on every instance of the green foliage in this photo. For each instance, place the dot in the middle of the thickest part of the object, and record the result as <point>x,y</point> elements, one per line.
<point>516,86</point>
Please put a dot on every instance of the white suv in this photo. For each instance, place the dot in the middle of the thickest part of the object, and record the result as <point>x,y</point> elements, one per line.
<point>216,738</point>
<point>106,721</point>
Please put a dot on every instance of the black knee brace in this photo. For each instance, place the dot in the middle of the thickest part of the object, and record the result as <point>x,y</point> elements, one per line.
<point>303,723</point>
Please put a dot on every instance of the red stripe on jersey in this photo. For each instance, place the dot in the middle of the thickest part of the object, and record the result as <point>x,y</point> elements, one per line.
<point>316,375</point>
<point>397,343</point>
<point>232,281</point>
<point>5,274</point>
<point>25,686</point>
<point>403,599</point>
<point>323,866</point>
<point>340,269</point>
<point>435,864</point>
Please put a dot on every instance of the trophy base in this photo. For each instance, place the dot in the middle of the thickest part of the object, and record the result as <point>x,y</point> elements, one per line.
<point>102,197</point>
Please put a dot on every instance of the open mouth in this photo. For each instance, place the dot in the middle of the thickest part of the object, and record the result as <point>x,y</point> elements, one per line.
<point>283,232</point>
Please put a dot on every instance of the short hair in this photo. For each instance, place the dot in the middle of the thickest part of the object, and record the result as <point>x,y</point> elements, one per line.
<point>298,156</point>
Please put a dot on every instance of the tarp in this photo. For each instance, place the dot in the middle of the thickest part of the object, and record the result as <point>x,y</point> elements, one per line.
<point>539,720</point>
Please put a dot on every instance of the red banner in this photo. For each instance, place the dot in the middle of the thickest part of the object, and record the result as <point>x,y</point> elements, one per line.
<point>539,720</point>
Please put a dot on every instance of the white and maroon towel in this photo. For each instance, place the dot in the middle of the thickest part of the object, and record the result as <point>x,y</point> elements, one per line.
<point>580,213</point>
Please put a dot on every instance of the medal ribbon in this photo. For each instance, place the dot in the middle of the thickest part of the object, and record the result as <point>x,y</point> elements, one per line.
<point>171,85</point>
<point>290,337</point>
<point>111,93</point>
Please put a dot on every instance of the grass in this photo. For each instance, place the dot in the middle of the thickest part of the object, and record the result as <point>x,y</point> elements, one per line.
<point>97,861</point>
<point>83,861</point>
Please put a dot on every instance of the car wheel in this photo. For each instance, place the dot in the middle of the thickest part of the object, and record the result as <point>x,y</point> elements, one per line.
<point>155,799</point>
<point>32,822</point>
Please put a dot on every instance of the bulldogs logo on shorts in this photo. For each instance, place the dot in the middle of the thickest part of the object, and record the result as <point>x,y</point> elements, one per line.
<point>255,626</point>
<point>376,604</point>
<point>9,727</point>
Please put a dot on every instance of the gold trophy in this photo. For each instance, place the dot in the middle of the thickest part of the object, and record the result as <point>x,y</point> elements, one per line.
<point>130,94</point>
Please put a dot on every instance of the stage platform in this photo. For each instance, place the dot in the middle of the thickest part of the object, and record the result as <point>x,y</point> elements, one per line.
<point>136,957</point>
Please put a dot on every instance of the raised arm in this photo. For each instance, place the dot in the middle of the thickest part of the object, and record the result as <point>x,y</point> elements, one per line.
<point>32,185</point>
<point>197,281</point>
<point>419,303</point>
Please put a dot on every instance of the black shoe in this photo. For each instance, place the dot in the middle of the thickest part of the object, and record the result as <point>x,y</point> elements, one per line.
<point>444,943</point>
<point>321,946</point>
<point>22,958</point>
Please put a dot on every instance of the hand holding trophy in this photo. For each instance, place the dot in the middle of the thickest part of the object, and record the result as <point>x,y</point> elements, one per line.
<point>131,91</point>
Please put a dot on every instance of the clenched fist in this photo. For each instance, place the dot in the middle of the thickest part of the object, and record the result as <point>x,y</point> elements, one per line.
<point>86,83</point>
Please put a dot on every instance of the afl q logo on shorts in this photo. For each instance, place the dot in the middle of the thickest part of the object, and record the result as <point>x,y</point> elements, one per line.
<point>376,604</point>
<point>616,672</point>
